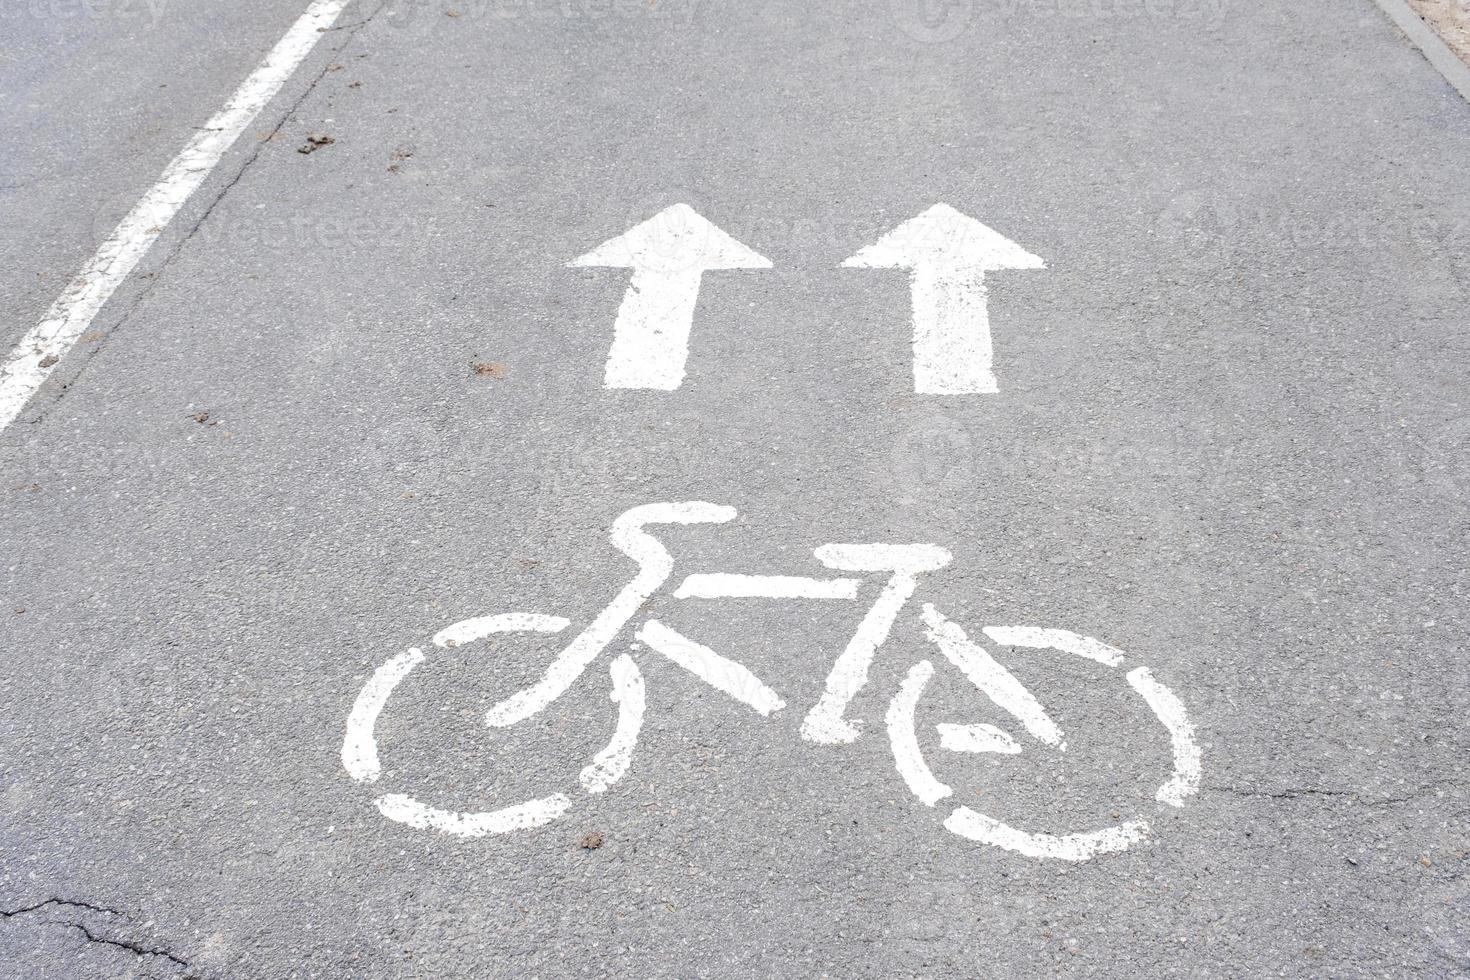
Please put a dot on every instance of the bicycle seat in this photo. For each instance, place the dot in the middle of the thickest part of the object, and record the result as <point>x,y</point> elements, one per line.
<point>911,558</point>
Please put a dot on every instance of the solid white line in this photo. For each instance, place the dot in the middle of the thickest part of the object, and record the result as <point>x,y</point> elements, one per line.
<point>38,352</point>
<point>718,672</point>
<point>718,585</point>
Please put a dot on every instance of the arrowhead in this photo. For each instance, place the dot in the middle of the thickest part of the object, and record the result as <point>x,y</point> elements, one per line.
<point>676,239</point>
<point>945,238</point>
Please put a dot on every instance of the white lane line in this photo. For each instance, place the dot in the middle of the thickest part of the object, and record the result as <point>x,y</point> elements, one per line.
<point>39,351</point>
<point>718,585</point>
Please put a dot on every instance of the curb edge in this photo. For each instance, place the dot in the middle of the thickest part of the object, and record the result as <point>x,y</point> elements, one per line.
<point>1429,43</point>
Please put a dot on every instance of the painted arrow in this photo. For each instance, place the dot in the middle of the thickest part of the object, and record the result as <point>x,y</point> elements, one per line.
<point>668,254</point>
<point>948,255</point>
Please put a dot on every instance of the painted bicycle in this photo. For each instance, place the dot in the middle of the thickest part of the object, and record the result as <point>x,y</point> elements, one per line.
<point>825,723</point>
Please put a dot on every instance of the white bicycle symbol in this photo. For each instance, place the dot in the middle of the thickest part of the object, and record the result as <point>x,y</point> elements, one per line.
<point>825,723</point>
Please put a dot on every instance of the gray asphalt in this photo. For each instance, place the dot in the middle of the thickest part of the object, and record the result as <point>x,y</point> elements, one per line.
<point>1231,440</point>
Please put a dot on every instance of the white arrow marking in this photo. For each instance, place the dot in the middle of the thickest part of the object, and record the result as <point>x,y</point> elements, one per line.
<point>668,254</point>
<point>948,255</point>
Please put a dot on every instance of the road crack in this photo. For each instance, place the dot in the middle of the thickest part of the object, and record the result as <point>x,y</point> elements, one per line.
<point>1304,792</point>
<point>97,937</point>
<point>63,902</point>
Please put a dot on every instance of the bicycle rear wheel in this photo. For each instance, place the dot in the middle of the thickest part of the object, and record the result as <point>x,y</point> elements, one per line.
<point>360,746</point>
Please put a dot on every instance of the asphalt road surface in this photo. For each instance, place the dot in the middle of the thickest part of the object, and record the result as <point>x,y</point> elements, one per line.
<point>354,396</point>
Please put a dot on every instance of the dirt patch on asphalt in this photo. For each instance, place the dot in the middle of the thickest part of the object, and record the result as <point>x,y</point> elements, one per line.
<point>488,369</point>
<point>1451,18</point>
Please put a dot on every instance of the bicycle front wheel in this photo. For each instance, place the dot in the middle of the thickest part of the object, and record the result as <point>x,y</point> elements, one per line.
<point>1008,694</point>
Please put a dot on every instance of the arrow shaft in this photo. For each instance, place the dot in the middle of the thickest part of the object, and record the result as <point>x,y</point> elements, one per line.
<point>952,352</point>
<point>651,336</point>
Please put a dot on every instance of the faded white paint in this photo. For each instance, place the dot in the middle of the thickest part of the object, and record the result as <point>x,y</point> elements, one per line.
<point>360,750</point>
<point>907,757</point>
<point>38,352</point>
<point>1170,711</point>
<point>948,254</point>
<point>480,627</point>
<point>1063,640</point>
<point>609,765</point>
<point>1071,847</point>
<point>668,253</point>
<point>976,738</point>
<point>359,747</point>
<point>825,723</point>
<point>722,586</point>
<point>718,672</point>
<point>654,568</point>
<point>522,816</point>
<point>993,680</point>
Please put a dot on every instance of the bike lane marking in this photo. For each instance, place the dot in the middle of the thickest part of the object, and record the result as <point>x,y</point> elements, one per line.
<point>669,254</point>
<point>976,739</point>
<point>1064,640</point>
<point>630,535</point>
<point>1070,847</point>
<point>1171,712</point>
<point>720,585</point>
<point>998,684</point>
<point>41,349</point>
<point>908,758</point>
<point>719,672</point>
<point>948,254</point>
<point>629,695</point>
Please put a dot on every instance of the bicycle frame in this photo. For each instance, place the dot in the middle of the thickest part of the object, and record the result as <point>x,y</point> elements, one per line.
<point>824,723</point>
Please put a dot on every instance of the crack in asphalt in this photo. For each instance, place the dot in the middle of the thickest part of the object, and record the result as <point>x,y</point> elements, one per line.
<point>10,913</point>
<point>94,937</point>
<point>124,944</point>
<point>1299,792</point>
